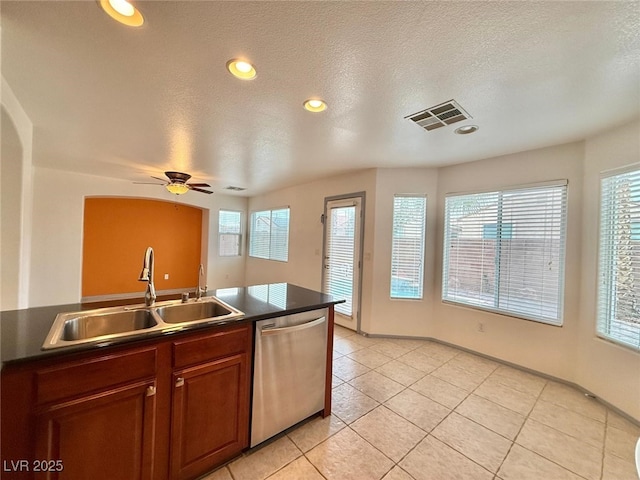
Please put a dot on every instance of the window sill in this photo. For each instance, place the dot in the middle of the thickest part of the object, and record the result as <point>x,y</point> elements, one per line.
<point>501,313</point>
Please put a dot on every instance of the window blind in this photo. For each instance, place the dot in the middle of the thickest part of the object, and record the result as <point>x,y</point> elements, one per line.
<point>407,246</point>
<point>269,236</point>
<point>229,233</point>
<point>279,244</point>
<point>340,253</point>
<point>504,251</point>
<point>618,316</point>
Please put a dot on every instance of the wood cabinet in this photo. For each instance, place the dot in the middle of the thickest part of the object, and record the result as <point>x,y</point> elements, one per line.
<point>209,414</point>
<point>102,436</point>
<point>171,408</point>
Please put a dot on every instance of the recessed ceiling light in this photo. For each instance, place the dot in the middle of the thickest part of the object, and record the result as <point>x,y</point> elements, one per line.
<point>241,69</point>
<point>466,129</point>
<point>123,12</point>
<point>315,105</point>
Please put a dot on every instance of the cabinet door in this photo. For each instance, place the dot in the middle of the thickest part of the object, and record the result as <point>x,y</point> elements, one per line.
<point>210,415</point>
<point>104,436</point>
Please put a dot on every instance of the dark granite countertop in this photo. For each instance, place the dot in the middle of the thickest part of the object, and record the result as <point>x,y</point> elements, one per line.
<point>22,332</point>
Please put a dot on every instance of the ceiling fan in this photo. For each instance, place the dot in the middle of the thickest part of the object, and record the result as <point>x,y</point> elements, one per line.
<point>177,183</point>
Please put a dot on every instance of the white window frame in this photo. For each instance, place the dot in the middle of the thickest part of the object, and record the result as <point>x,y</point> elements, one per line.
<point>612,250</point>
<point>515,306</point>
<point>272,252</point>
<point>396,254</point>
<point>238,234</point>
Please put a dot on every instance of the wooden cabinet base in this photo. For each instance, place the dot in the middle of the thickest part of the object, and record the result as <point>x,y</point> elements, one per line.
<point>134,413</point>
<point>204,432</point>
<point>104,436</point>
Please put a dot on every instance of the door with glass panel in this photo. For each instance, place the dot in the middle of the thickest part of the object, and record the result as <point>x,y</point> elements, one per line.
<point>342,257</point>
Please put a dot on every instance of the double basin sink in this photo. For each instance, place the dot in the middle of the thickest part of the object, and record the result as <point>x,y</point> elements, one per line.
<point>104,325</point>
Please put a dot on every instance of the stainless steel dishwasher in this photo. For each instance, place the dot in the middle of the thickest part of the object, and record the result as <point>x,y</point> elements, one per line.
<point>289,372</point>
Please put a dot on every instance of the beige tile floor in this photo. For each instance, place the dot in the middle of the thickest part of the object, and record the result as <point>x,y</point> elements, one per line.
<point>412,409</point>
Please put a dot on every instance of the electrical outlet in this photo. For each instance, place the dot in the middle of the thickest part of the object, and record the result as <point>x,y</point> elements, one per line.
<point>166,276</point>
<point>481,327</point>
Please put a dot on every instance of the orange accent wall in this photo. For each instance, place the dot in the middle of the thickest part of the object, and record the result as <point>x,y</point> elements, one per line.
<point>117,231</point>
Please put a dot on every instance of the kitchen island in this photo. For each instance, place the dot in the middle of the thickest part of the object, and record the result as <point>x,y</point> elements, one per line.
<point>164,405</point>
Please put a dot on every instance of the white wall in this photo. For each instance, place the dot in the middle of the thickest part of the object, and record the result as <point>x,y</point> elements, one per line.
<point>58,204</point>
<point>545,348</point>
<point>10,208</point>
<point>22,178</point>
<point>379,313</point>
<point>393,316</point>
<point>306,202</point>
<point>610,371</point>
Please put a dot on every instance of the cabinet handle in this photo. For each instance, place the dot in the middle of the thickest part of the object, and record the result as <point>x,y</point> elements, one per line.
<point>179,382</point>
<point>151,391</point>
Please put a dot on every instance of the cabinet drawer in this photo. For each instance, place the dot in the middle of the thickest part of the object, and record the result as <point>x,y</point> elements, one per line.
<point>82,376</point>
<point>220,344</point>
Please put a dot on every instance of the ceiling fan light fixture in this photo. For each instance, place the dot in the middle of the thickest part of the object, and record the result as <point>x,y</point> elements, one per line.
<point>122,11</point>
<point>177,188</point>
<point>241,69</point>
<point>123,7</point>
<point>315,105</point>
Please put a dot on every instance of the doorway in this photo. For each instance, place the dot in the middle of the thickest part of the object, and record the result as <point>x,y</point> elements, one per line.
<point>342,255</point>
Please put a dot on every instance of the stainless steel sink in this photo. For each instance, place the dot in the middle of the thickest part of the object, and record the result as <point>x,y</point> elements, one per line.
<point>106,325</point>
<point>91,326</point>
<point>202,310</point>
<point>100,325</point>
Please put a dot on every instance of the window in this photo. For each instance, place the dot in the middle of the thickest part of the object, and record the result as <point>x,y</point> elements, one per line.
<point>270,235</point>
<point>504,251</point>
<point>619,252</point>
<point>229,233</point>
<point>407,246</point>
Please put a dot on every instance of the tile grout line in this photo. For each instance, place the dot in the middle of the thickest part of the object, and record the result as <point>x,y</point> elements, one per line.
<point>304,454</point>
<point>374,447</point>
<point>604,443</point>
<point>452,410</point>
<point>502,436</point>
<point>553,428</point>
<point>515,437</point>
<point>383,404</point>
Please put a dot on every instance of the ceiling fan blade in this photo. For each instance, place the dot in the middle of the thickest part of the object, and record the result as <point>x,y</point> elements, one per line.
<point>198,189</point>
<point>199,185</point>
<point>158,178</point>
<point>148,183</point>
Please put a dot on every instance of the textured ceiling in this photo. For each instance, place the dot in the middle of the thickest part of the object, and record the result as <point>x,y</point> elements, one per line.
<point>126,103</point>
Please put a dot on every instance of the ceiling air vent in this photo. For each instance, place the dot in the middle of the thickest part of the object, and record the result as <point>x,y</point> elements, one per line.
<point>440,115</point>
<point>235,189</point>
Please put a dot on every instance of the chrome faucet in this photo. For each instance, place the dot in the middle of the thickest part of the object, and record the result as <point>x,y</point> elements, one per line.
<point>147,276</point>
<point>199,290</point>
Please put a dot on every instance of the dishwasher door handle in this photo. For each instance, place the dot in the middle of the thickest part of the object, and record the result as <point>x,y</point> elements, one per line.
<point>265,331</point>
